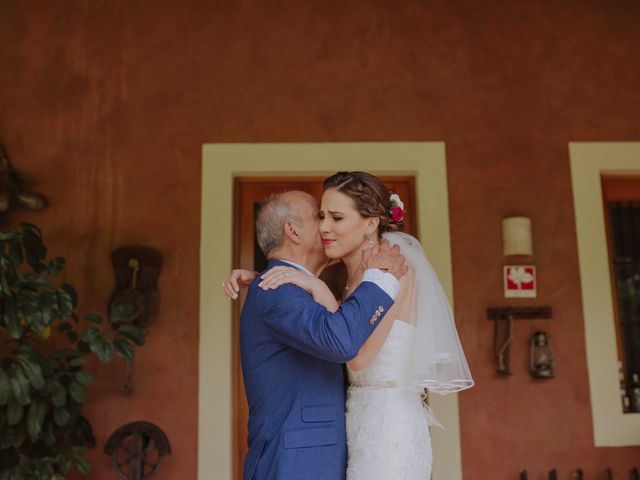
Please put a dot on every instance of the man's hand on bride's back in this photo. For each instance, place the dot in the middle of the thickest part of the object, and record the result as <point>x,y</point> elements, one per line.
<point>386,258</point>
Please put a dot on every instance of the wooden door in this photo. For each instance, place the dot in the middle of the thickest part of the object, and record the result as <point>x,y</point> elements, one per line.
<point>249,192</point>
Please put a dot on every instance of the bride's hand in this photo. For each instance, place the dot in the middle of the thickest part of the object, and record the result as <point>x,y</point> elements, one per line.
<point>317,288</point>
<point>277,276</point>
<point>237,279</point>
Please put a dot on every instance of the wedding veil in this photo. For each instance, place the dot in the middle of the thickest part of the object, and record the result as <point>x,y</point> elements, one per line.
<point>439,363</point>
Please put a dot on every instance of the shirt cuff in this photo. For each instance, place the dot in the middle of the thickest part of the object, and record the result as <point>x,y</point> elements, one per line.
<point>386,281</point>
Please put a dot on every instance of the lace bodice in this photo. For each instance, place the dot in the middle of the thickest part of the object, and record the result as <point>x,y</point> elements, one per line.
<point>392,365</point>
<point>387,425</point>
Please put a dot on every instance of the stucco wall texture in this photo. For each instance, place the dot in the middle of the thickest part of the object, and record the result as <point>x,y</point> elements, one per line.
<point>106,104</point>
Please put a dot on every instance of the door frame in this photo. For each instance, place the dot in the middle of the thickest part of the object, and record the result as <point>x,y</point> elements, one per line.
<point>247,192</point>
<point>221,163</point>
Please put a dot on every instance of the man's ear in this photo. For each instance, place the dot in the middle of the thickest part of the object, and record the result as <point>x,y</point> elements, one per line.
<point>290,231</point>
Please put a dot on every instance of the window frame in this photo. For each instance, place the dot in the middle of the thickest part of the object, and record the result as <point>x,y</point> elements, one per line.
<point>590,161</point>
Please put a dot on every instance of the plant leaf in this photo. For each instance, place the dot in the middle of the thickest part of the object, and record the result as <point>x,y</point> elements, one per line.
<point>49,435</point>
<point>12,320</point>
<point>65,353</point>
<point>132,333</point>
<point>9,236</point>
<point>32,371</point>
<point>121,311</point>
<point>5,388</point>
<point>104,351</point>
<point>91,335</point>
<point>16,438</point>
<point>35,417</point>
<point>67,300</point>
<point>61,416</point>
<point>81,462</point>
<point>92,318</point>
<point>77,362</point>
<point>59,395</point>
<point>31,227</point>
<point>14,413</point>
<point>34,248</point>
<point>55,266</point>
<point>123,349</point>
<point>86,432</point>
<point>20,385</point>
<point>32,318</point>
<point>85,379</point>
<point>77,392</point>
<point>15,253</point>
<point>33,280</point>
<point>4,285</point>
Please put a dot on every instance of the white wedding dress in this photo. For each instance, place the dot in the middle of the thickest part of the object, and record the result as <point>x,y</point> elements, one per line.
<point>387,424</point>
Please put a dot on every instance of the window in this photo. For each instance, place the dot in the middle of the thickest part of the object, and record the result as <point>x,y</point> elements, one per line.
<point>622,213</point>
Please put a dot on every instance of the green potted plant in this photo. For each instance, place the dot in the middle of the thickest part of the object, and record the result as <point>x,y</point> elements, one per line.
<point>44,348</point>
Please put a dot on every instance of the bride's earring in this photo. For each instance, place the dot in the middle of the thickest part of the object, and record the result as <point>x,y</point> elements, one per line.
<point>368,237</point>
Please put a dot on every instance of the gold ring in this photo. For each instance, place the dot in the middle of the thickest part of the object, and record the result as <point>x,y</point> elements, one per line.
<point>224,284</point>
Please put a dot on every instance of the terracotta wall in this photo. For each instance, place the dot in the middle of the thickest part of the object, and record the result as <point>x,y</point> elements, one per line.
<point>106,104</point>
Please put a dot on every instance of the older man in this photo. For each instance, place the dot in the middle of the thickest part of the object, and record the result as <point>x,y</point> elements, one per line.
<point>293,348</point>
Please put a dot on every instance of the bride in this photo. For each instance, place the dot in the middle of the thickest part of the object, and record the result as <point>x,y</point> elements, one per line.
<point>414,350</point>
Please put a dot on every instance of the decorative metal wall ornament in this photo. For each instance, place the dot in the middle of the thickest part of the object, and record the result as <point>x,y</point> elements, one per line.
<point>137,449</point>
<point>136,299</point>
<point>12,188</point>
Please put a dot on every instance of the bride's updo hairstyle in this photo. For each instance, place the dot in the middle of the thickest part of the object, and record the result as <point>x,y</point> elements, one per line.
<point>369,195</point>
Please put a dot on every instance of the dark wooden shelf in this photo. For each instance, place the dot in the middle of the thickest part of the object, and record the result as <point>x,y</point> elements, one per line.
<point>518,313</point>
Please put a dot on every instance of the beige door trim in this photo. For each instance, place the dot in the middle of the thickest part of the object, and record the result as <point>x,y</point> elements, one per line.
<point>220,164</point>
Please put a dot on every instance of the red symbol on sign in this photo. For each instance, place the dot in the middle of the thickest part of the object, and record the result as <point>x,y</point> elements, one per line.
<point>519,281</point>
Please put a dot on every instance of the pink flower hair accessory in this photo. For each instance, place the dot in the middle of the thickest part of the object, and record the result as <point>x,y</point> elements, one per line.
<point>397,208</point>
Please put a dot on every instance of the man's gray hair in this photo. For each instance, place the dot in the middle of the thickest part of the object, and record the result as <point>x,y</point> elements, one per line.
<point>274,211</point>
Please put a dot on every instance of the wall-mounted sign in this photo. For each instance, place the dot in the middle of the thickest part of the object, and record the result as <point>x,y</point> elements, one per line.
<point>519,281</point>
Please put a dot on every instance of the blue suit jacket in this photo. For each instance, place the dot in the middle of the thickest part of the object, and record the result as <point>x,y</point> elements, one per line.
<point>292,354</point>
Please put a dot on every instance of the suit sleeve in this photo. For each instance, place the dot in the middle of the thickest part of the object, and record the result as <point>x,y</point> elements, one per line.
<point>293,317</point>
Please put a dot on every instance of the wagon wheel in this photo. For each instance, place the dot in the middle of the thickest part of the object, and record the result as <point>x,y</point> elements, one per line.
<point>137,449</point>
<point>136,457</point>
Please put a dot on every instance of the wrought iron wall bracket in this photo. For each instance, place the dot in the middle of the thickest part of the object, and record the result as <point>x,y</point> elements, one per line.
<point>502,336</point>
<point>518,313</point>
